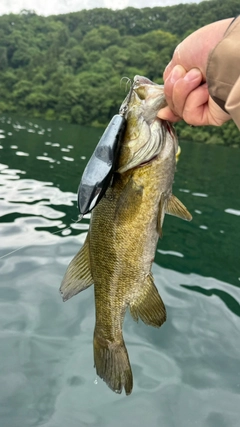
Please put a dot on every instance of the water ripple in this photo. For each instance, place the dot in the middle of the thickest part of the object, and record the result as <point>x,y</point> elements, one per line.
<point>182,370</point>
<point>170,253</point>
<point>233,211</point>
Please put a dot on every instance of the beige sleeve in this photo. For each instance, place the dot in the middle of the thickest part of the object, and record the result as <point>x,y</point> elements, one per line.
<point>223,72</point>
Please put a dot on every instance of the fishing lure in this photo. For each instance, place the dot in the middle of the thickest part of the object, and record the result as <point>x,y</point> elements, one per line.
<point>98,173</point>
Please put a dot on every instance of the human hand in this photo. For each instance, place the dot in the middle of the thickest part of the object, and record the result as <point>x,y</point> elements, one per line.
<point>185,79</point>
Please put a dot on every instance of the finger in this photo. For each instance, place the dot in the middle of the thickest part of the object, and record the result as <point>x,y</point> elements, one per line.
<point>168,70</point>
<point>201,110</point>
<point>182,88</point>
<point>174,61</point>
<point>196,105</point>
<point>177,73</point>
<point>167,114</point>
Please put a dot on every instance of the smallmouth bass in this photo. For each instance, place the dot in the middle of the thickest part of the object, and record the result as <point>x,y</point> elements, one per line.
<point>124,230</point>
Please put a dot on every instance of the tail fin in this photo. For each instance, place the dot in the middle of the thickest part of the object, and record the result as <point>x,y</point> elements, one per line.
<point>112,364</point>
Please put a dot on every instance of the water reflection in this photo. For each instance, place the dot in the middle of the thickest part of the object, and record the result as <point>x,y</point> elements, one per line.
<point>185,374</point>
<point>181,372</point>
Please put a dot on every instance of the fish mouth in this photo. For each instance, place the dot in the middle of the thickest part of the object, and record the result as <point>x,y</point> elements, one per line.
<point>152,94</point>
<point>141,80</point>
<point>143,88</point>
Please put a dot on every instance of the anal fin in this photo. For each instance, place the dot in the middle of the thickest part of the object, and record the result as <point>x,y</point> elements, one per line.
<point>148,304</point>
<point>78,275</point>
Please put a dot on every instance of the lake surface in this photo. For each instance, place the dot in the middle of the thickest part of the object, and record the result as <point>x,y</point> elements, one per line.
<point>187,373</point>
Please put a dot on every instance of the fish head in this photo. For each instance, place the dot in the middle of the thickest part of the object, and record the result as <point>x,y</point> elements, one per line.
<point>146,135</point>
<point>152,94</point>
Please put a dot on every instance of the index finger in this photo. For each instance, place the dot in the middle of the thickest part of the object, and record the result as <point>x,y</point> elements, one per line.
<point>174,61</point>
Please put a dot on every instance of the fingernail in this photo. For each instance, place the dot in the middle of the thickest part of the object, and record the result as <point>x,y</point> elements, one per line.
<point>177,73</point>
<point>193,74</point>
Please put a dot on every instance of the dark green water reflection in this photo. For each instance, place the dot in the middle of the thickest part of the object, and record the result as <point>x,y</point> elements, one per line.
<point>187,373</point>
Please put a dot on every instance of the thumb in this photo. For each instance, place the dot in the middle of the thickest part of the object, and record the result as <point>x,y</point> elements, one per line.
<point>167,114</point>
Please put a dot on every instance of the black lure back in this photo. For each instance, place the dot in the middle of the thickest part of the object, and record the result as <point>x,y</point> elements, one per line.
<point>98,173</point>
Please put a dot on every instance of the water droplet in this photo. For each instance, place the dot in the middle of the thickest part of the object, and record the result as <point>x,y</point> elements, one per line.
<point>95,381</point>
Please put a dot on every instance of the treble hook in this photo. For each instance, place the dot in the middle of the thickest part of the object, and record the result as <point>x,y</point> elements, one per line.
<point>127,82</point>
<point>124,108</point>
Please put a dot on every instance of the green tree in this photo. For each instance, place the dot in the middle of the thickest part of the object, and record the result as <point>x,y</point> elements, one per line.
<point>3,58</point>
<point>70,67</point>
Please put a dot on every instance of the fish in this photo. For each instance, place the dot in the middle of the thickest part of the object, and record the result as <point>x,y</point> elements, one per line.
<point>124,230</point>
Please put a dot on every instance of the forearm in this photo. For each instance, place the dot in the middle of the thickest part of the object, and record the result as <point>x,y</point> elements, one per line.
<point>223,72</point>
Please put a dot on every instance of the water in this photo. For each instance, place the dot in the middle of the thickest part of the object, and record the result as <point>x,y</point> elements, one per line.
<point>186,374</point>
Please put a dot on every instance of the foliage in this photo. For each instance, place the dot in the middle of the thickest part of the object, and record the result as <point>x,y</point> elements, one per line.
<point>69,67</point>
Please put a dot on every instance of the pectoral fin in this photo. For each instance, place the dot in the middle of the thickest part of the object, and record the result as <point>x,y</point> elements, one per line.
<point>148,304</point>
<point>176,208</point>
<point>78,275</point>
